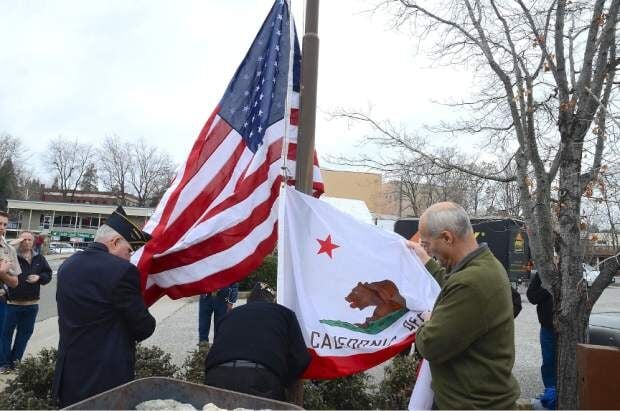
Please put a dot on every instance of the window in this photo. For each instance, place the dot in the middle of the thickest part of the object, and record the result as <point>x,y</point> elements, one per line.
<point>64,221</point>
<point>90,222</point>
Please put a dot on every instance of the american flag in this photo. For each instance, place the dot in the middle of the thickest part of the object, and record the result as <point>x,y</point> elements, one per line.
<point>218,220</point>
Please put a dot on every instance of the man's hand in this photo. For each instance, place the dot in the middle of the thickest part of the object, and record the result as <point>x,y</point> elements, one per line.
<point>8,279</point>
<point>426,315</point>
<point>32,278</point>
<point>5,266</point>
<point>419,251</point>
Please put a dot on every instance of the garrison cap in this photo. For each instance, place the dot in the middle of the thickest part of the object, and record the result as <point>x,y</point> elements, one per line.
<point>119,221</point>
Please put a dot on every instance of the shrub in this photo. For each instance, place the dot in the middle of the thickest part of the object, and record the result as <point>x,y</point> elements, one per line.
<point>394,391</point>
<point>349,393</point>
<point>32,386</point>
<point>154,362</point>
<point>267,272</point>
<point>193,368</point>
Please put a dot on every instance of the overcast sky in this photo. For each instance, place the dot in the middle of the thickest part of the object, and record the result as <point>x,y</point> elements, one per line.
<point>157,68</point>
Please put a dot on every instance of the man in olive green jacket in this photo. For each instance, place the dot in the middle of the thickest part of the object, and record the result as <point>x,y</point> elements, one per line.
<point>469,338</point>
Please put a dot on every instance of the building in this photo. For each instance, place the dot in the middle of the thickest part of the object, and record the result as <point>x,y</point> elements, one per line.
<point>355,208</point>
<point>354,185</point>
<point>599,246</point>
<point>69,222</point>
<point>87,197</point>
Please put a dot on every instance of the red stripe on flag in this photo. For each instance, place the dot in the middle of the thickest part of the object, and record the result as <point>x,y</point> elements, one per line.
<point>220,241</point>
<point>219,280</point>
<point>206,146</point>
<point>318,188</point>
<point>195,154</point>
<point>294,117</point>
<point>292,154</point>
<point>193,211</point>
<point>335,367</point>
<point>192,162</point>
<point>249,183</point>
<point>244,190</point>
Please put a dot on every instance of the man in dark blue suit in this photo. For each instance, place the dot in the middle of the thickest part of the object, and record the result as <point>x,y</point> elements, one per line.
<point>101,313</point>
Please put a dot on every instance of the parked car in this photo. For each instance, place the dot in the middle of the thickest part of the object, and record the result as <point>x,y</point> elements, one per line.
<point>590,274</point>
<point>604,329</point>
<point>63,248</point>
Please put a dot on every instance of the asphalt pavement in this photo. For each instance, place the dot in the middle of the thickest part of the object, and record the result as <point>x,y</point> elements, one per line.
<point>47,303</point>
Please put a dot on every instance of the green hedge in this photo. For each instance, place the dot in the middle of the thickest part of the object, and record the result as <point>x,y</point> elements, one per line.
<point>32,386</point>
<point>267,272</point>
<point>394,391</point>
<point>348,393</point>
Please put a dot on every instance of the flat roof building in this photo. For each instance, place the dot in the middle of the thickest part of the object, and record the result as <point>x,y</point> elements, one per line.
<point>72,222</point>
<point>87,197</point>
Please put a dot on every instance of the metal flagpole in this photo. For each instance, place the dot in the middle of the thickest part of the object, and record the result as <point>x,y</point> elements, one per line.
<point>307,121</point>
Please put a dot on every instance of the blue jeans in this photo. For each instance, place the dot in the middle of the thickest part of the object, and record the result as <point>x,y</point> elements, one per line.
<point>22,319</point>
<point>547,347</point>
<point>207,306</point>
<point>2,316</point>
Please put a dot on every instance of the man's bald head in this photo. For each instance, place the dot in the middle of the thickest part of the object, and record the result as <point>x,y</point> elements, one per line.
<point>446,216</point>
<point>446,233</point>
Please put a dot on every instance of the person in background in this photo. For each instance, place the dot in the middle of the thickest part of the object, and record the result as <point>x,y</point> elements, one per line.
<point>543,300</point>
<point>39,240</point>
<point>258,348</point>
<point>22,302</point>
<point>9,266</point>
<point>214,304</point>
<point>101,313</point>
<point>516,302</point>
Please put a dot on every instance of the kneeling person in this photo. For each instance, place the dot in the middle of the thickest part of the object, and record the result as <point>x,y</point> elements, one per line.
<point>258,348</point>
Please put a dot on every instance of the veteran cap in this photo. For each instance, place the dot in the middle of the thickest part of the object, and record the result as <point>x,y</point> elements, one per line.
<point>119,221</point>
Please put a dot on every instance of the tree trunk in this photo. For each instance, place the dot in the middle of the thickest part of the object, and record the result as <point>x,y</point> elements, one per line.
<point>571,314</point>
<point>571,330</point>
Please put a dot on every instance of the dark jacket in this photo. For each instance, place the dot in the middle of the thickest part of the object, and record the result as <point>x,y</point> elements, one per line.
<point>265,333</point>
<point>536,294</point>
<point>24,290</point>
<point>101,315</point>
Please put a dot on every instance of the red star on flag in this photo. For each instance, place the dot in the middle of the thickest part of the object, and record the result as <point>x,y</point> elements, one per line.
<point>327,246</point>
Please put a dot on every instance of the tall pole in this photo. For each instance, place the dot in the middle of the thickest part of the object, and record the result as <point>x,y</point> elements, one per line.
<point>307,122</point>
<point>309,75</point>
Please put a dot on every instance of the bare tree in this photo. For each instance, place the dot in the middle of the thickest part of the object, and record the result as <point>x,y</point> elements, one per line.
<point>68,161</point>
<point>115,158</point>
<point>150,171</point>
<point>546,75</point>
<point>10,148</point>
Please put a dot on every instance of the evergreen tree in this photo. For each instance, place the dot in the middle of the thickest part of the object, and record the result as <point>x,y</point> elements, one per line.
<point>8,180</point>
<point>90,180</point>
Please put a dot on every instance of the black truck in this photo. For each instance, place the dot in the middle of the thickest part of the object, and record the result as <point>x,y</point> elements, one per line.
<point>506,238</point>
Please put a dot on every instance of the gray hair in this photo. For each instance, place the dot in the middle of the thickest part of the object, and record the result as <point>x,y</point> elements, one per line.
<point>447,216</point>
<point>26,232</point>
<point>105,233</point>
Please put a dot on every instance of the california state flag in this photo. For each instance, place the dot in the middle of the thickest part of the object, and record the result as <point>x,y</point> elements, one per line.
<point>340,275</point>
